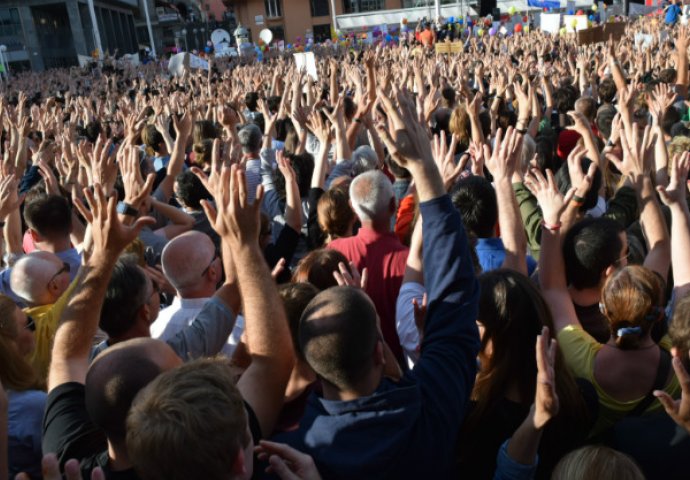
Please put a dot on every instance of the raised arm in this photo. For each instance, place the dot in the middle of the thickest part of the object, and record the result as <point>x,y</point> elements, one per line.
<point>674,196</point>
<point>502,163</point>
<point>183,127</point>
<point>79,320</point>
<point>637,165</point>
<point>267,334</point>
<point>447,366</point>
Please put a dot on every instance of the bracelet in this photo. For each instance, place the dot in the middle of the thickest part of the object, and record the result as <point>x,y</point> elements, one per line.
<point>126,209</point>
<point>521,131</point>
<point>357,120</point>
<point>576,203</point>
<point>578,199</point>
<point>551,228</point>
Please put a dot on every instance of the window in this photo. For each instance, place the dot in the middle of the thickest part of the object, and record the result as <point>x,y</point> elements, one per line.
<point>278,33</point>
<point>273,8</point>
<point>424,3</point>
<point>319,8</point>
<point>356,6</point>
<point>322,32</point>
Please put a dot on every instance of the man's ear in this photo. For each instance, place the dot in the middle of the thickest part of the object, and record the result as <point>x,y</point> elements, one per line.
<point>35,236</point>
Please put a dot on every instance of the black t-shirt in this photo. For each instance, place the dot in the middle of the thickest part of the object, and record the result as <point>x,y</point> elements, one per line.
<point>69,432</point>
<point>593,322</point>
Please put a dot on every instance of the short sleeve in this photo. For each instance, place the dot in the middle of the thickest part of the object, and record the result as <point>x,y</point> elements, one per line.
<point>579,350</point>
<point>404,319</point>
<point>67,429</point>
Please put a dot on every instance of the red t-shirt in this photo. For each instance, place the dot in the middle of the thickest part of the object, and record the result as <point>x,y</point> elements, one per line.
<point>385,258</point>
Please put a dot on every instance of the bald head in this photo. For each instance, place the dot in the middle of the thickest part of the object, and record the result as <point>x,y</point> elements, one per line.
<point>338,334</point>
<point>116,376</point>
<point>31,275</point>
<point>185,258</point>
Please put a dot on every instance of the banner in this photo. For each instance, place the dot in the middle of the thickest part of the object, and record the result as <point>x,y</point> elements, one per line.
<point>307,62</point>
<point>542,4</point>
<point>551,22</point>
<point>573,23</point>
<point>196,62</point>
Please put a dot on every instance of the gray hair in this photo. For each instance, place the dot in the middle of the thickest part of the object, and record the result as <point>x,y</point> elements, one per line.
<point>250,137</point>
<point>364,158</point>
<point>371,194</point>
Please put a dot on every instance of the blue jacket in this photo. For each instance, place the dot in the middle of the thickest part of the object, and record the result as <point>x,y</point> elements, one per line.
<point>409,429</point>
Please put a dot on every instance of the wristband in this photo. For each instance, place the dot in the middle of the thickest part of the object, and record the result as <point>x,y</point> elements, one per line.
<point>521,131</point>
<point>357,120</point>
<point>126,209</point>
<point>578,199</point>
<point>551,228</point>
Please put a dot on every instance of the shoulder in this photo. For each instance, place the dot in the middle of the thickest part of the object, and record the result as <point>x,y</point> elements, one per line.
<point>28,401</point>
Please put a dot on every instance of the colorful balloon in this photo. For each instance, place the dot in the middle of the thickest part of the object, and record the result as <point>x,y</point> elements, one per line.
<point>518,27</point>
<point>492,31</point>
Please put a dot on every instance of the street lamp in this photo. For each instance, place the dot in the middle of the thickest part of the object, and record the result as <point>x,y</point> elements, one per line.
<point>184,35</point>
<point>3,59</point>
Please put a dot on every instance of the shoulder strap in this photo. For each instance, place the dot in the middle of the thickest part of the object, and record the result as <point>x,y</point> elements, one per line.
<point>659,382</point>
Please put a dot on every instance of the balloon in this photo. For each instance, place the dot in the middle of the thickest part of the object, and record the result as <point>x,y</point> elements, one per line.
<point>404,21</point>
<point>480,32</point>
<point>525,19</point>
<point>573,24</point>
<point>492,31</point>
<point>451,20</point>
<point>589,24</point>
<point>595,8</point>
<point>388,38</point>
<point>289,45</point>
<point>546,9</point>
<point>460,21</point>
<point>571,12</point>
<point>591,18</point>
<point>563,31</point>
<point>526,29</point>
<point>580,12</point>
<point>512,10</point>
<point>518,27</point>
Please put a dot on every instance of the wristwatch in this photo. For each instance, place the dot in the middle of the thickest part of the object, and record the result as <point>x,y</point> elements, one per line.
<point>126,209</point>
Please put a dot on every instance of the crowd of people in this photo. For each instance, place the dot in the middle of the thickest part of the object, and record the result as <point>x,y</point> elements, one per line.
<point>409,265</point>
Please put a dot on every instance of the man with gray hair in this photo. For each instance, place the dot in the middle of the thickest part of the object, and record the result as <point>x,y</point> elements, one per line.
<point>376,248</point>
<point>250,138</point>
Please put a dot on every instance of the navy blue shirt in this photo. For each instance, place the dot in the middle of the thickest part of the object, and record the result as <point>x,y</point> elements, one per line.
<point>409,429</point>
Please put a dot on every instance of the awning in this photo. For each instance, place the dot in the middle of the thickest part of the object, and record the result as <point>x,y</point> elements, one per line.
<point>394,17</point>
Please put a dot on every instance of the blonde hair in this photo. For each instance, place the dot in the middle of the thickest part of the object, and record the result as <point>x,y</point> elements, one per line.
<point>460,125</point>
<point>678,145</point>
<point>16,372</point>
<point>594,462</point>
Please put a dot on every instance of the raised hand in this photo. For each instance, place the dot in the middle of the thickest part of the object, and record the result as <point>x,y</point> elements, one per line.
<point>637,161</point>
<point>678,410</point>
<point>675,191</point>
<point>580,123</point>
<point>348,275</point>
<point>286,462</point>
<point>550,199</point>
<point>546,403</point>
<point>502,162</point>
<point>136,188</point>
<point>9,196</point>
<point>233,217</point>
<point>109,235</point>
<point>444,157</point>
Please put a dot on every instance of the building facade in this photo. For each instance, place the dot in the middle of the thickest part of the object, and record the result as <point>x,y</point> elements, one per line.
<point>290,20</point>
<point>41,34</point>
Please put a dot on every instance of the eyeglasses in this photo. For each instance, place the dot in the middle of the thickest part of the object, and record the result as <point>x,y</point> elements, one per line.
<point>65,269</point>
<point>215,255</point>
<point>30,324</point>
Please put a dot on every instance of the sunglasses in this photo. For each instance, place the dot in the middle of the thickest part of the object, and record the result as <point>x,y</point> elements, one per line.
<point>65,269</point>
<point>30,324</point>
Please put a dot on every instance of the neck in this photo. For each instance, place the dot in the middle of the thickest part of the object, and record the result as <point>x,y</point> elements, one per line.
<point>117,456</point>
<point>381,226</point>
<point>205,292</point>
<point>365,389</point>
<point>301,377</point>
<point>54,246</point>
<point>586,296</point>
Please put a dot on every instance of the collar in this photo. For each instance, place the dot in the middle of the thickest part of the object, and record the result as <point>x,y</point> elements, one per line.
<point>368,235</point>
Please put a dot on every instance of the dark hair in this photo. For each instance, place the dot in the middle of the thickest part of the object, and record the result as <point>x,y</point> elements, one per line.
<point>679,328</point>
<point>125,295</point>
<point>564,99</point>
<point>668,75</point>
<point>475,199</point>
<point>563,181</point>
<point>204,130</point>
<point>349,107</point>
<point>152,137</point>
<point>190,190</point>
<point>92,130</point>
<point>303,165</point>
<point>607,90</point>
<point>339,345</point>
<point>317,268</point>
<point>296,297</point>
<point>668,119</point>
<point>448,95</point>
<point>397,170</point>
<point>251,99</point>
<point>589,248</point>
<point>49,215</point>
